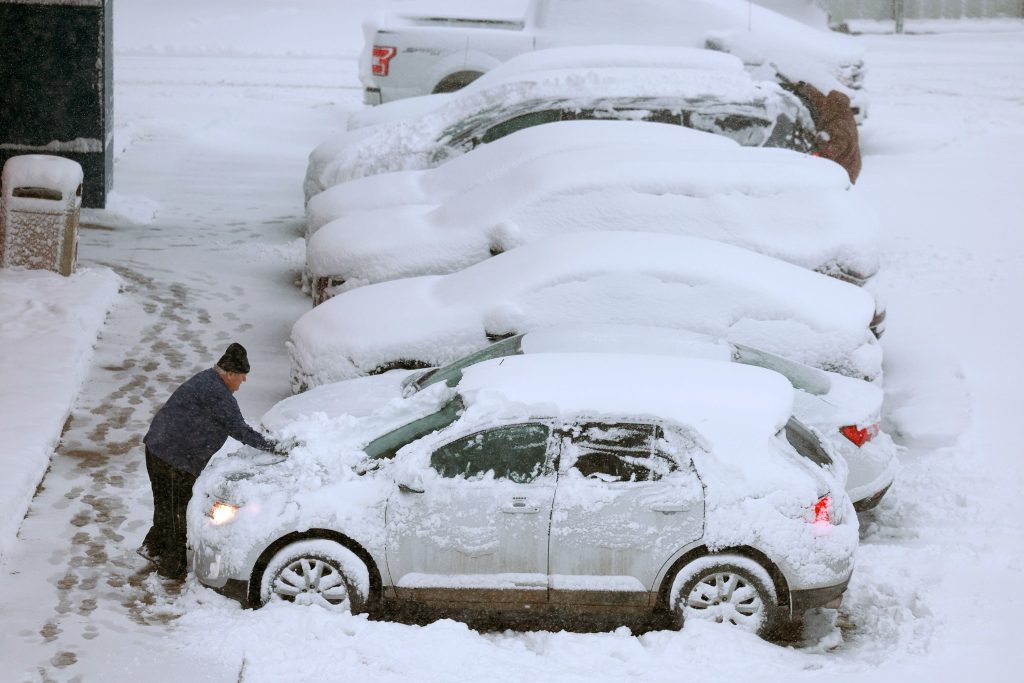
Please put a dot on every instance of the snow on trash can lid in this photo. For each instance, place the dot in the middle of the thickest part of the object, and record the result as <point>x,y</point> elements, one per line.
<point>41,172</point>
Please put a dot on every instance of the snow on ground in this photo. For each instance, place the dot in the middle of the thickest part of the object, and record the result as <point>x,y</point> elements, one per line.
<point>47,334</point>
<point>217,105</point>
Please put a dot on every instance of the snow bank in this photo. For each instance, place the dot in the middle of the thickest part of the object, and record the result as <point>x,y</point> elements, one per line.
<point>47,333</point>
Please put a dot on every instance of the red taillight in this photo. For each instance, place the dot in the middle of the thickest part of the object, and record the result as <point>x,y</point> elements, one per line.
<point>858,436</point>
<point>823,510</point>
<point>381,58</point>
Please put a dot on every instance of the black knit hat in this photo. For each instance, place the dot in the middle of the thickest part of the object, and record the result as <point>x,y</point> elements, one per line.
<point>234,360</point>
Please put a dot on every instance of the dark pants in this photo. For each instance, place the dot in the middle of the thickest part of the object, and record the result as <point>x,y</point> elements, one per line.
<point>172,490</point>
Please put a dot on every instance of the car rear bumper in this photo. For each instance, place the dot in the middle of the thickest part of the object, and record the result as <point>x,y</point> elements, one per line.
<point>828,596</point>
<point>372,96</point>
<point>870,502</point>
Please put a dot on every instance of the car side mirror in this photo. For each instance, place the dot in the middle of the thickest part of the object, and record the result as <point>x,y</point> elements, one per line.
<point>411,484</point>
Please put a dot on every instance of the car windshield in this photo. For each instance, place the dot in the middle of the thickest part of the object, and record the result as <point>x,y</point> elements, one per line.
<point>802,439</point>
<point>452,372</point>
<point>508,117</point>
<point>385,447</point>
<point>802,377</point>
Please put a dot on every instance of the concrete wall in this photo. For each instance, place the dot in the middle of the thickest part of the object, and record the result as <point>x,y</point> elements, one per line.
<point>56,85</point>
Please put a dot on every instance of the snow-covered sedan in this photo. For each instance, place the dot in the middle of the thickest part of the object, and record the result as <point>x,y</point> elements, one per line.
<point>442,183</point>
<point>599,277</point>
<point>561,482</point>
<point>698,89</point>
<point>846,412</point>
<point>776,202</point>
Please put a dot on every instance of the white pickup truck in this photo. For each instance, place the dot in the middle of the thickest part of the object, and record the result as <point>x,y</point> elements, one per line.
<point>433,46</point>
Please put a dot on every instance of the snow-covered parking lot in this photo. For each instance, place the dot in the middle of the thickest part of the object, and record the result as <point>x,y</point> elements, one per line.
<point>217,106</point>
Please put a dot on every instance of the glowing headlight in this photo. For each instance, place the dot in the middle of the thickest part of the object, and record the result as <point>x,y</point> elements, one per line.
<point>222,513</point>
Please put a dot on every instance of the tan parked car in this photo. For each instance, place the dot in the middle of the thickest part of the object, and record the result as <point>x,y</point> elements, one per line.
<point>647,485</point>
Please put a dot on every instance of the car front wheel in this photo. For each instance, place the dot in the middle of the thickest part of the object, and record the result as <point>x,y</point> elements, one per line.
<point>316,571</point>
<point>726,589</point>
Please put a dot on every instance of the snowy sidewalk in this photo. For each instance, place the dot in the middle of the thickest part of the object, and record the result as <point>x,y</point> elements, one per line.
<point>47,332</point>
<point>217,264</point>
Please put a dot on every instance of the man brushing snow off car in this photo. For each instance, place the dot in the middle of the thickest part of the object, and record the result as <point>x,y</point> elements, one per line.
<point>193,425</point>
<point>837,138</point>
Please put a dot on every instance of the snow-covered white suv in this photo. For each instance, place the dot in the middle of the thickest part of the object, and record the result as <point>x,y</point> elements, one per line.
<point>561,482</point>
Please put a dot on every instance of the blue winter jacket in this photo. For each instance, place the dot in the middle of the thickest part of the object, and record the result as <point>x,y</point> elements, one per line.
<point>196,421</point>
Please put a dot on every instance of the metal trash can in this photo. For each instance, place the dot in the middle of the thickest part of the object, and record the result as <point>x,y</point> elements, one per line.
<point>40,200</point>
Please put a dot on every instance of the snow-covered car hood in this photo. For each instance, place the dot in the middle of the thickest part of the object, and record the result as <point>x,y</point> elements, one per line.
<point>320,482</point>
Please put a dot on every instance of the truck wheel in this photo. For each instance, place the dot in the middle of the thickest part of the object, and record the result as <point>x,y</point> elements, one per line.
<point>456,81</point>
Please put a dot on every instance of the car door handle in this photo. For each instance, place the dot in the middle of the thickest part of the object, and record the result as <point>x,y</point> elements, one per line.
<point>669,509</point>
<point>519,506</point>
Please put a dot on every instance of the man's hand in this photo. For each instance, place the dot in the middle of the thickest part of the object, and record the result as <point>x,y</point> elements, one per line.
<point>837,129</point>
<point>285,446</point>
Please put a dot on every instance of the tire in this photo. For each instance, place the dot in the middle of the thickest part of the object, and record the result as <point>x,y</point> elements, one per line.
<point>730,589</point>
<point>456,81</point>
<point>316,571</point>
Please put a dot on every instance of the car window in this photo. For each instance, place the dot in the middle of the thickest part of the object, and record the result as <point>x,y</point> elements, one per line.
<point>452,372</point>
<point>620,452</point>
<point>509,126</point>
<point>515,452</point>
<point>387,445</point>
<point>806,443</point>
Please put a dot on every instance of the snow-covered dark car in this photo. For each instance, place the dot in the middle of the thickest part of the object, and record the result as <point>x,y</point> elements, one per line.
<point>698,89</point>
<point>548,482</point>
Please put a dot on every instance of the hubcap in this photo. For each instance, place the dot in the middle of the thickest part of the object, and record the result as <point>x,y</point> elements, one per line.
<point>314,577</point>
<point>725,597</point>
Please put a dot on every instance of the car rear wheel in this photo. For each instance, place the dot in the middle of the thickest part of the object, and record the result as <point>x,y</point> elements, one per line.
<point>726,589</point>
<point>316,571</point>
